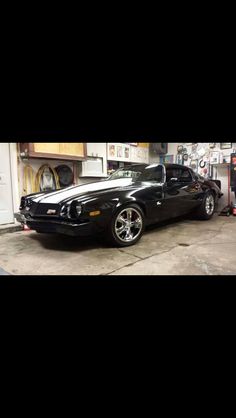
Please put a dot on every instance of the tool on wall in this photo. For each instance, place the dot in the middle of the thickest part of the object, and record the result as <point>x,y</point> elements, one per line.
<point>65,175</point>
<point>202,164</point>
<point>46,179</point>
<point>180,149</point>
<point>28,179</point>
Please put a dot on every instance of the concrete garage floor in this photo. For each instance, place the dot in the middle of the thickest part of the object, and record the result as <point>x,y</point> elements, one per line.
<point>186,247</point>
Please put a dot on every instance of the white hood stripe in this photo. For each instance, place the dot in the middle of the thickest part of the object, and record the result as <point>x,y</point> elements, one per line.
<point>58,196</point>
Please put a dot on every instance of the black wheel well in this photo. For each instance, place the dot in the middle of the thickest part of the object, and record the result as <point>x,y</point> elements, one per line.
<point>140,204</point>
<point>213,192</point>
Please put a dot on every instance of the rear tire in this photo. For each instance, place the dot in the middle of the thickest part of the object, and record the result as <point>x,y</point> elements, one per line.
<point>127,226</point>
<point>207,208</point>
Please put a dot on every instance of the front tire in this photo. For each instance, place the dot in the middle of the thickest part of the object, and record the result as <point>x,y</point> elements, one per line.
<point>207,208</point>
<point>127,226</point>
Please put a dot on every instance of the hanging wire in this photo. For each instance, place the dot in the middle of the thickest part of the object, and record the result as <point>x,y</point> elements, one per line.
<point>39,177</point>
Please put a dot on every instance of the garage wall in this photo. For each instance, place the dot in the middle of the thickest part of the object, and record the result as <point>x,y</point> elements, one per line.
<point>100,150</point>
<point>36,163</point>
<point>220,172</point>
<point>222,175</point>
<point>172,150</point>
<point>93,150</point>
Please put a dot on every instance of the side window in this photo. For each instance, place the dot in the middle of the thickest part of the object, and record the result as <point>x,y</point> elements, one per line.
<point>185,176</point>
<point>182,175</point>
<point>173,173</point>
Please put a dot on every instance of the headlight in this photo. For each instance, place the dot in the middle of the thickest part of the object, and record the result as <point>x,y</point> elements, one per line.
<point>65,211</point>
<point>25,203</point>
<point>22,203</point>
<point>71,210</point>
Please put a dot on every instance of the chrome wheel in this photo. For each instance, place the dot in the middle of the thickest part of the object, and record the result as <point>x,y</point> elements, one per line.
<point>128,225</point>
<point>210,204</point>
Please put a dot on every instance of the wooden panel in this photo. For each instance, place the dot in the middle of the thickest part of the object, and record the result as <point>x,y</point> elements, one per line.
<point>48,147</point>
<point>69,148</point>
<point>143,144</point>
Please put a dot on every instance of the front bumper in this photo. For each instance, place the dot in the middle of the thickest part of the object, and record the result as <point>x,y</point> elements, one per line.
<point>20,218</point>
<point>54,226</point>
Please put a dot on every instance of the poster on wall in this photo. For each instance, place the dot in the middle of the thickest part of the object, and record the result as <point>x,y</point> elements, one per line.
<point>111,151</point>
<point>139,155</point>
<point>118,152</point>
<point>225,145</point>
<point>127,153</point>
<point>169,159</point>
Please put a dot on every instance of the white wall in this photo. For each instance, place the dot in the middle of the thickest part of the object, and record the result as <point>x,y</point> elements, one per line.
<point>15,177</point>
<point>98,150</point>
<point>222,175</point>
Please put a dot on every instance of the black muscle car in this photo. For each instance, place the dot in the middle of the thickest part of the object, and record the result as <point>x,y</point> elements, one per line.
<point>121,206</point>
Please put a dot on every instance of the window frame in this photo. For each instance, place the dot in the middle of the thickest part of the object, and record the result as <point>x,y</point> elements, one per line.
<point>191,179</point>
<point>191,175</point>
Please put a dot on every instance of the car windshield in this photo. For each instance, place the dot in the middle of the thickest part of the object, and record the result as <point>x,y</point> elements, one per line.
<point>141,173</point>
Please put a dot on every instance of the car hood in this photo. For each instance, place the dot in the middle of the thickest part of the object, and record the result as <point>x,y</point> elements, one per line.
<point>59,196</point>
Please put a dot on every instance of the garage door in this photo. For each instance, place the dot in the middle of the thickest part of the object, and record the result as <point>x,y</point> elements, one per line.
<point>6,203</point>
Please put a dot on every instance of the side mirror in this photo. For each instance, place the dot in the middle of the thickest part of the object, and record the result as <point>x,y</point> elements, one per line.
<point>173,180</point>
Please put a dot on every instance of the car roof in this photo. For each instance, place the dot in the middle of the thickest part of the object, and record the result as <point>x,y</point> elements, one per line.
<point>135,165</point>
<point>169,165</point>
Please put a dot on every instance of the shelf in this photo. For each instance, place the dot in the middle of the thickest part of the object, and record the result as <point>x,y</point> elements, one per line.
<point>220,165</point>
<point>94,175</point>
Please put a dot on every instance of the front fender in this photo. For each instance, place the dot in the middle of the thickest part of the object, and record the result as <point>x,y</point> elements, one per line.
<point>126,201</point>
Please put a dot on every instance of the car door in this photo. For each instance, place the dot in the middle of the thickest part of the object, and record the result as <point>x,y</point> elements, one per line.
<point>180,192</point>
<point>152,179</point>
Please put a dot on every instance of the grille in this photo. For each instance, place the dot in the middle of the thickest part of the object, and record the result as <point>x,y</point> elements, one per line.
<point>33,208</point>
<point>43,208</point>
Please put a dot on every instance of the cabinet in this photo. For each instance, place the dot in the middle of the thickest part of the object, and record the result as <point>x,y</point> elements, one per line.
<point>63,151</point>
